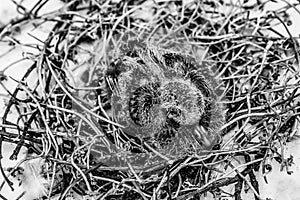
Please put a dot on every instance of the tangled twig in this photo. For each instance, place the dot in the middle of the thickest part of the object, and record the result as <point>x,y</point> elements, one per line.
<point>57,114</point>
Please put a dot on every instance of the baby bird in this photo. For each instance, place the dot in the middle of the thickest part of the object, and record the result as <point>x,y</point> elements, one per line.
<point>161,98</point>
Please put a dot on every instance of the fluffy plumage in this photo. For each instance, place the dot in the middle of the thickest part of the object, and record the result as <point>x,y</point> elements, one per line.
<point>161,98</point>
<point>33,183</point>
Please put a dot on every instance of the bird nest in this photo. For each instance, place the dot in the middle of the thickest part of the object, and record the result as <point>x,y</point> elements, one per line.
<point>155,100</point>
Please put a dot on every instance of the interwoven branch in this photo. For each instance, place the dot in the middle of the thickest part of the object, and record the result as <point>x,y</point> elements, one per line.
<point>59,113</point>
